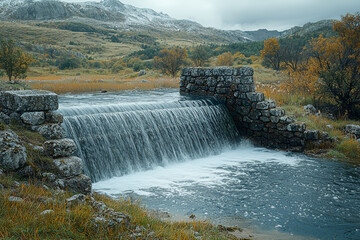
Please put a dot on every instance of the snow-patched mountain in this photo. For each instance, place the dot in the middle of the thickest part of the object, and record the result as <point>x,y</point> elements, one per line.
<point>110,13</point>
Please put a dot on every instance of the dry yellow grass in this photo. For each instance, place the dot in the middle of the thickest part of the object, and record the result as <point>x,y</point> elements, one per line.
<point>23,220</point>
<point>62,85</point>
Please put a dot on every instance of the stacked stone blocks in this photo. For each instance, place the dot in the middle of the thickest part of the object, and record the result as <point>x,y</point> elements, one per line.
<point>36,110</point>
<point>255,116</point>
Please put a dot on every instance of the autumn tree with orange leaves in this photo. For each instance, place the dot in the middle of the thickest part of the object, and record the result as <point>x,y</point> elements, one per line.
<point>225,59</point>
<point>13,60</point>
<point>171,60</point>
<point>336,61</point>
<point>271,53</point>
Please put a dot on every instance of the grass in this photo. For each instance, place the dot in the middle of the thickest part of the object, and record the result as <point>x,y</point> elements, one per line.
<point>22,220</point>
<point>101,83</point>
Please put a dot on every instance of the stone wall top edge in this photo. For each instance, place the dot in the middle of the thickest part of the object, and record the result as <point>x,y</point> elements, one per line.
<point>217,71</point>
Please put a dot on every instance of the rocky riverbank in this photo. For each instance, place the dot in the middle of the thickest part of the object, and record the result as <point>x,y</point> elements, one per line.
<point>45,194</point>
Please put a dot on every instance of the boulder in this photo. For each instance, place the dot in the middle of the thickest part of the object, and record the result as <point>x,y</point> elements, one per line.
<point>69,167</point>
<point>142,72</point>
<point>312,135</point>
<point>33,118</point>
<point>49,176</point>
<point>54,117</point>
<point>81,183</point>
<point>59,148</point>
<point>12,152</point>
<point>78,198</point>
<point>4,118</point>
<point>26,171</point>
<point>29,100</point>
<point>310,109</point>
<point>353,129</point>
<point>15,199</point>
<point>46,212</point>
<point>51,131</point>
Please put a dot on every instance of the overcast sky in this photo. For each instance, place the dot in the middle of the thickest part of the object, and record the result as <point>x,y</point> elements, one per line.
<point>250,14</point>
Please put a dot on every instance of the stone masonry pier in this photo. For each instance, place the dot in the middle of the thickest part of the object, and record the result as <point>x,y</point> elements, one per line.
<point>255,117</point>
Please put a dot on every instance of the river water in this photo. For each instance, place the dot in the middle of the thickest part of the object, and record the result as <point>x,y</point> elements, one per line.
<point>276,194</point>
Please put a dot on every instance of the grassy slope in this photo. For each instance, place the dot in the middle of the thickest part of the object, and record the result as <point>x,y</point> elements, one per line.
<point>30,33</point>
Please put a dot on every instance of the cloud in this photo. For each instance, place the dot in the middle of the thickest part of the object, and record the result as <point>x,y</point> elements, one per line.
<point>250,14</point>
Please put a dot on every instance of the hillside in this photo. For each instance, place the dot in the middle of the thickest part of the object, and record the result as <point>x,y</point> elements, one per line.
<point>112,14</point>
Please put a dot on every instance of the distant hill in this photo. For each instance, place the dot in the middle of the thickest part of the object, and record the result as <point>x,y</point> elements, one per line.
<point>323,27</point>
<point>263,34</point>
<point>112,14</point>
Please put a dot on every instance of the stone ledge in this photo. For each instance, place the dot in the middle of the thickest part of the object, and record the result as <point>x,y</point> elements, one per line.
<point>29,100</point>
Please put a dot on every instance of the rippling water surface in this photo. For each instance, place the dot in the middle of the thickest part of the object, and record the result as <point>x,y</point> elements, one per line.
<point>290,194</point>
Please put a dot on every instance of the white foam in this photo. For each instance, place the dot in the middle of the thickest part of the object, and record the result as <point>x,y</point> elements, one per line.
<point>209,171</point>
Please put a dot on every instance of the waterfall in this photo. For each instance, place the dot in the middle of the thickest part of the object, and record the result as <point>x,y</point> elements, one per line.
<point>118,139</point>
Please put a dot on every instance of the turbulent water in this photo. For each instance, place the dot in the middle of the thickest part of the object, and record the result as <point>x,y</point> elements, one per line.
<point>286,196</point>
<point>122,138</point>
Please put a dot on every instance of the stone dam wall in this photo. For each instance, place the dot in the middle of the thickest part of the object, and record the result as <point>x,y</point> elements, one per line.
<point>255,116</point>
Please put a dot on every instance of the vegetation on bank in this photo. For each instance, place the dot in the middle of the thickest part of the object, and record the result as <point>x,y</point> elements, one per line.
<point>26,219</point>
<point>31,208</point>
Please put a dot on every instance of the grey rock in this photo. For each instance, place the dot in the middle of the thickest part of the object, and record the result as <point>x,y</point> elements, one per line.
<point>49,176</point>
<point>4,118</point>
<point>1,172</point>
<point>46,212</point>
<point>286,119</point>
<point>12,152</point>
<point>54,117</point>
<point>142,72</point>
<point>296,127</point>
<point>186,71</point>
<point>264,105</point>
<point>265,113</point>
<point>78,198</point>
<point>311,135</point>
<point>15,117</point>
<point>255,96</point>
<point>26,171</point>
<point>81,183</point>
<point>274,119</point>
<point>325,136</point>
<point>15,199</point>
<point>51,131</point>
<point>2,187</point>
<point>265,119</point>
<point>244,71</point>
<point>353,129</point>
<point>247,80</point>
<point>69,167</point>
<point>29,100</point>
<point>59,148</point>
<point>60,183</point>
<point>33,118</point>
<point>310,109</point>
<point>278,112</point>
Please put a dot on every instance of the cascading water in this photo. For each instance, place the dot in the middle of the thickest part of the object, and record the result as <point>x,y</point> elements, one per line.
<point>273,193</point>
<point>114,140</point>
